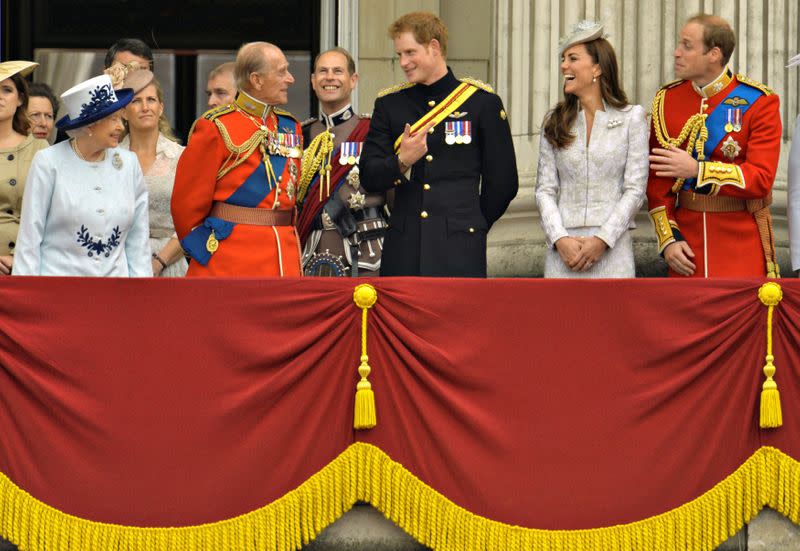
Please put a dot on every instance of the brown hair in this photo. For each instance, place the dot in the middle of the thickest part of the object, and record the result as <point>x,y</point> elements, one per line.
<point>351,63</point>
<point>717,33</point>
<point>558,123</point>
<point>21,123</point>
<point>424,25</point>
<point>227,67</point>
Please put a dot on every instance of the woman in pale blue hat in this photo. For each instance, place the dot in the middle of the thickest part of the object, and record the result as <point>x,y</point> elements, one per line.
<point>17,148</point>
<point>84,212</point>
<point>593,163</point>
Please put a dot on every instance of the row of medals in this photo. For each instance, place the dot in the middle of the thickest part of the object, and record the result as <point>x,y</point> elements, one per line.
<point>734,123</point>
<point>459,132</point>
<point>285,145</point>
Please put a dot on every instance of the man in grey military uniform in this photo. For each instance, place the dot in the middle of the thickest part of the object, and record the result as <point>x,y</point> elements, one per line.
<point>341,225</point>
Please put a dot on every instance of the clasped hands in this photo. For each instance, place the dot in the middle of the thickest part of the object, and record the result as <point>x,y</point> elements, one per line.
<point>580,253</point>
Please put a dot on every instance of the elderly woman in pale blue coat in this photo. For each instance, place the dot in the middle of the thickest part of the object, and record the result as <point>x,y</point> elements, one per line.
<point>84,211</point>
<point>593,164</point>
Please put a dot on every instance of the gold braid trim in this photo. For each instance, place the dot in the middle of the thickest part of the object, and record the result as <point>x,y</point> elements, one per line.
<point>478,84</point>
<point>694,132</point>
<point>395,88</point>
<point>316,157</point>
<point>365,473</point>
<point>239,153</point>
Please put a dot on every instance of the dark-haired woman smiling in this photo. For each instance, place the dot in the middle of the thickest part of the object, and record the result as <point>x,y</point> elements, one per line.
<point>592,164</point>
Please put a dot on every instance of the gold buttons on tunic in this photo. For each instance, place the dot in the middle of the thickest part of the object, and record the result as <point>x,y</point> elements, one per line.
<point>429,158</point>
<point>430,130</point>
<point>472,230</point>
<point>398,182</point>
<point>426,187</point>
<point>424,214</point>
<point>431,103</point>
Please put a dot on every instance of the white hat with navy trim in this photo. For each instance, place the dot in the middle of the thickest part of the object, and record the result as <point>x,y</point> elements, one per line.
<point>91,101</point>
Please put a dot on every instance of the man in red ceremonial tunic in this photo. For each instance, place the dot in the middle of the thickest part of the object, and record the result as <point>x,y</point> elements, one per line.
<point>715,142</point>
<point>234,198</point>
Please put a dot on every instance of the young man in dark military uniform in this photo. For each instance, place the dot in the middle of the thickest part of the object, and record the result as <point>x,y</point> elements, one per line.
<point>341,225</point>
<point>445,146</point>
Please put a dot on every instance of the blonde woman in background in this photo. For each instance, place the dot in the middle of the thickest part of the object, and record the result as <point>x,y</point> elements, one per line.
<point>150,137</point>
<point>17,148</point>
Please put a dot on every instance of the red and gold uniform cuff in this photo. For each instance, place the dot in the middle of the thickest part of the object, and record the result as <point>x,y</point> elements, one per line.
<point>663,226</point>
<point>716,175</point>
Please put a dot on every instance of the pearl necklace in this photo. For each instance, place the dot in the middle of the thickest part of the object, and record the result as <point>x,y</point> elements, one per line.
<point>74,143</point>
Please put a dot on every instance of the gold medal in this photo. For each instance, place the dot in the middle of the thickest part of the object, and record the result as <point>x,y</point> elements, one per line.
<point>728,127</point>
<point>212,244</point>
<point>459,139</point>
<point>351,160</point>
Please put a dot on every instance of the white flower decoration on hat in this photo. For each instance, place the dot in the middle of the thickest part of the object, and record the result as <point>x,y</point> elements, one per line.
<point>582,31</point>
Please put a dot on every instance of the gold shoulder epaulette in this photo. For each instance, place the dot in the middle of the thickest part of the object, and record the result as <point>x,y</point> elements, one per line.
<point>395,88</point>
<point>215,112</point>
<point>755,84</point>
<point>478,83</point>
<point>671,84</point>
<point>365,115</point>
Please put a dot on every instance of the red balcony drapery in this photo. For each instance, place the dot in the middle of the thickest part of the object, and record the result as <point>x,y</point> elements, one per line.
<point>544,404</point>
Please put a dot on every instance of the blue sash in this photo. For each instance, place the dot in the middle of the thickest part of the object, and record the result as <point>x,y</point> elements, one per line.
<point>715,123</point>
<point>195,242</point>
<point>253,191</point>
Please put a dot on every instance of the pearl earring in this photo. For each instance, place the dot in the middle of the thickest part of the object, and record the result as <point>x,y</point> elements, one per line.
<point>594,79</point>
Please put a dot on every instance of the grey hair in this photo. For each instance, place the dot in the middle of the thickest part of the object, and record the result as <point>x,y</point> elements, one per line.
<point>250,59</point>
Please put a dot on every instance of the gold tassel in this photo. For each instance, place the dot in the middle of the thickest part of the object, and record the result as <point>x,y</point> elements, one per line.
<point>771,416</point>
<point>316,160</point>
<point>364,416</point>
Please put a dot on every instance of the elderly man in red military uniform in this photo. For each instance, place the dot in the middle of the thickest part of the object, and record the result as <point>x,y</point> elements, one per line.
<point>715,141</point>
<point>234,198</point>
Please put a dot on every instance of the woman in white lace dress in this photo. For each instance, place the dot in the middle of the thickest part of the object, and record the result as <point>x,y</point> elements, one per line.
<point>592,164</point>
<point>150,137</point>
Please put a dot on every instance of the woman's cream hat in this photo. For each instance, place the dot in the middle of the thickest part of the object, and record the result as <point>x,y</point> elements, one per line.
<point>582,31</point>
<point>22,68</point>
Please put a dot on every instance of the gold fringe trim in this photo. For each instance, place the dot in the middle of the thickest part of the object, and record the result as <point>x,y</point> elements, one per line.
<point>365,473</point>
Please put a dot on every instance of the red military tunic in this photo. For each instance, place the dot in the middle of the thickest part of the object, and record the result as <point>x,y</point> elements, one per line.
<point>717,219</point>
<point>223,163</point>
